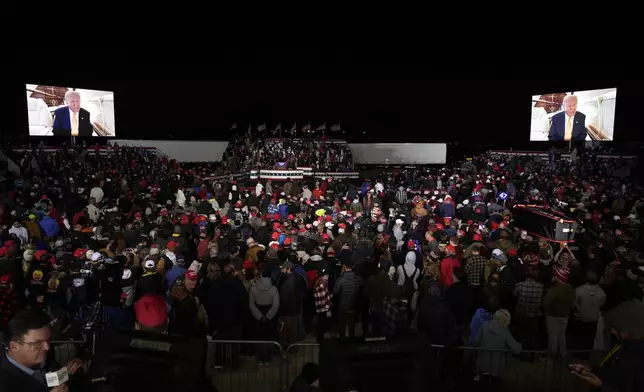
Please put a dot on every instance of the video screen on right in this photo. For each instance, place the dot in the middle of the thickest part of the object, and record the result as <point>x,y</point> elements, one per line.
<point>574,116</point>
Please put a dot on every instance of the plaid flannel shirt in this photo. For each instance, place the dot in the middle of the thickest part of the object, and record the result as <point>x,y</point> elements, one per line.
<point>475,269</point>
<point>322,295</point>
<point>529,295</point>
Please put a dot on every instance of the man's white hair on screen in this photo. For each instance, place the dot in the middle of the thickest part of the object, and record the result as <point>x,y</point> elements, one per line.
<point>69,94</point>
<point>569,98</point>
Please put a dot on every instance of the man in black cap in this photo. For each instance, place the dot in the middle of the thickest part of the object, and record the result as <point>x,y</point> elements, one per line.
<point>621,369</point>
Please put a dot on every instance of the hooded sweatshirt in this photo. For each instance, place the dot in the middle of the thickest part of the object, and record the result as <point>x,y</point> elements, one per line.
<point>264,293</point>
<point>21,233</point>
<point>408,269</point>
<point>589,300</point>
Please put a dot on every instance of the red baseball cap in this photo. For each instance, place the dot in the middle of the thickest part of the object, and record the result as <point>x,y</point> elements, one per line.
<point>191,275</point>
<point>247,265</point>
<point>512,252</point>
<point>151,311</point>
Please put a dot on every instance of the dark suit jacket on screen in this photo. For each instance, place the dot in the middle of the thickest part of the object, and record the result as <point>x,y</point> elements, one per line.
<point>558,127</point>
<point>63,123</point>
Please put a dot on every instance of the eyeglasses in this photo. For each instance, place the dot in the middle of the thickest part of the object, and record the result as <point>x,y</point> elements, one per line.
<point>37,344</point>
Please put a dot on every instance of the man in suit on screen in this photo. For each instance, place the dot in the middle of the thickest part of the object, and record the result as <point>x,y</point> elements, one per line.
<point>569,124</point>
<point>71,120</point>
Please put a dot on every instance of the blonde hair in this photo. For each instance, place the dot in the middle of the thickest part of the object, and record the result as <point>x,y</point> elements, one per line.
<point>71,93</point>
<point>502,317</point>
<point>568,98</point>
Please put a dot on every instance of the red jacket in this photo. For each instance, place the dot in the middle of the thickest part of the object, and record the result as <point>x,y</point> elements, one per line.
<point>447,267</point>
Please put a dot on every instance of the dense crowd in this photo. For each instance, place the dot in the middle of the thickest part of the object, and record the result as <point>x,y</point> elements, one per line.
<point>430,252</point>
<point>245,154</point>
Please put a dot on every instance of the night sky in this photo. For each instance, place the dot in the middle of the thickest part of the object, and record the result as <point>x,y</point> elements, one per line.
<point>373,102</point>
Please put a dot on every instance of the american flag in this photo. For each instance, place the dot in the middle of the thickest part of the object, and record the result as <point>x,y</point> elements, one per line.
<point>335,127</point>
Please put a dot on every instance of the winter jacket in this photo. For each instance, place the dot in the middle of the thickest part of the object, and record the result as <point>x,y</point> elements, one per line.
<point>226,303</point>
<point>251,253</point>
<point>446,210</point>
<point>34,229</point>
<point>21,233</point>
<point>447,268</point>
<point>559,300</point>
<point>622,371</point>
<point>589,300</point>
<point>263,293</point>
<point>93,212</point>
<point>459,298</point>
<point>408,269</point>
<point>356,207</point>
<point>283,210</point>
<point>378,288</point>
<point>480,317</point>
<point>492,336</point>
<point>49,226</point>
<point>291,289</point>
<point>435,320</point>
<point>348,290</point>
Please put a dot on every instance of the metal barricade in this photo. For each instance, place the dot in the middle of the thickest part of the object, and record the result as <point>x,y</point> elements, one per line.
<point>469,368</point>
<point>297,355</point>
<point>66,350</point>
<point>245,365</point>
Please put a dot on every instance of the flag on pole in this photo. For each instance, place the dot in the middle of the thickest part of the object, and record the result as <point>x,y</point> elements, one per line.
<point>278,129</point>
<point>321,127</point>
<point>262,127</point>
<point>234,126</point>
<point>294,129</point>
<point>335,127</point>
<point>306,128</point>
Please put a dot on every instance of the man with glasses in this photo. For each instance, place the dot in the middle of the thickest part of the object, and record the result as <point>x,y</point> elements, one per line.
<point>23,365</point>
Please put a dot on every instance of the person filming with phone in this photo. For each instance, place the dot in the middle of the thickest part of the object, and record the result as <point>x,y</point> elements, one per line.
<point>622,369</point>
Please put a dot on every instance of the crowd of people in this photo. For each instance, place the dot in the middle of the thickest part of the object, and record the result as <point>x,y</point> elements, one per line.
<point>246,153</point>
<point>433,252</point>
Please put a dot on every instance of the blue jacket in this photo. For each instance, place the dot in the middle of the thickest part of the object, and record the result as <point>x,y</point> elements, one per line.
<point>446,210</point>
<point>174,273</point>
<point>283,210</point>
<point>365,187</point>
<point>480,317</point>
<point>49,226</point>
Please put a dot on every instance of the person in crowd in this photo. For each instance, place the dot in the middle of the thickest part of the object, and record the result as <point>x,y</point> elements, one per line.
<point>264,302</point>
<point>528,311</point>
<point>459,297</point>
<point>292,287</point>
<point>130,247</point>
<point>185,318</point>
<point>589,300</point>
<point>621,368</point>
<point>557,305</point>
<point>435,318</point>
<point>377,288</point>
<point>495,335</point>
<point>348,290</point>
<point>323,302</point>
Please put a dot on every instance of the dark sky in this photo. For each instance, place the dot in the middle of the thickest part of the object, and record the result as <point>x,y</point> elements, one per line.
<point>373,102</point>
